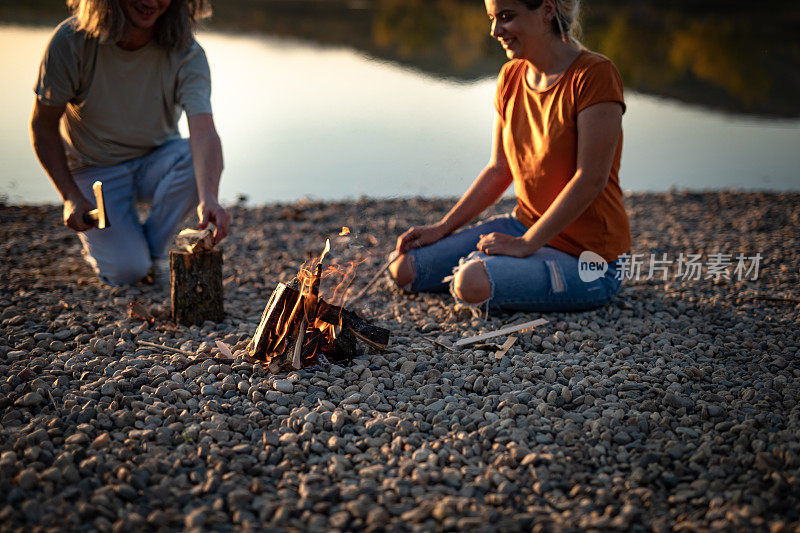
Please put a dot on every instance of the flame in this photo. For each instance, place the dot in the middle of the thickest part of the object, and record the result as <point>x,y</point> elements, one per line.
<point>328,330</point>
<point>307,275</point>
<point>345,231</point>
<point>318,334</point>
<point>326,250</point>
<point>344,274</point>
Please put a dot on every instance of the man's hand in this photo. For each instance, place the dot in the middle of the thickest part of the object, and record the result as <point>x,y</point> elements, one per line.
<point>214,213</point>
<point>502,244</point>
<point>419,236</point>
<point>73,214</point>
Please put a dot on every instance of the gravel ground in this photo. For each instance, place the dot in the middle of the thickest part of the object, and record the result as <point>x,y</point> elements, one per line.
<point>675,407</point>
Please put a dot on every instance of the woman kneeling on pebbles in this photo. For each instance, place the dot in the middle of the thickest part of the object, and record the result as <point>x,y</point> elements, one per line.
<point>558,138</point>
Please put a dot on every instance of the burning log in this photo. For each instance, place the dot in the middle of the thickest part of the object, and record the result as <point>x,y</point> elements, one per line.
<point>297,325</point>
<point>280,325</point>
<point>286,339</point>
<point>372,335</point>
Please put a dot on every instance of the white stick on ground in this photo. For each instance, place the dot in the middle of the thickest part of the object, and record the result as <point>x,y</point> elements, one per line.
<point>168,348</point>
<point>504,331</point>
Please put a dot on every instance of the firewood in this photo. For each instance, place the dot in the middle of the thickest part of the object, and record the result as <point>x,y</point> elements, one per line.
<point>280,336</point>
<point>505,347</point>
<point>297,355</point>
<point>195,240</point>
<point>285,339</point>
<point>375,336</point>
<point>504,331</point>
<point>167,348</point>
<point>344,346</point>
<point>196,281</point>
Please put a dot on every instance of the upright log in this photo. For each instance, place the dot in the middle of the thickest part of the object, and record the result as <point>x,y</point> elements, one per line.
<point>196,280</point>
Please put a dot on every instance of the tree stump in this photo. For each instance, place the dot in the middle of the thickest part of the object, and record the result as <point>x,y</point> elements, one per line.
<point>196,280</point>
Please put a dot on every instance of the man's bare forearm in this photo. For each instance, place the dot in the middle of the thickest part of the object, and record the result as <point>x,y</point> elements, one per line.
<point>207,166</point>
<point>207,157</point>
<point>49,148</point>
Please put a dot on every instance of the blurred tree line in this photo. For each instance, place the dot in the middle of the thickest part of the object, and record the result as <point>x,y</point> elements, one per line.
<point>723,54</point>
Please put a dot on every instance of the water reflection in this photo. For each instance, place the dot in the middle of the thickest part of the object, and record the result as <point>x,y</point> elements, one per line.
<point>721,60</point>
<point>298,119</point>
<point>717,57</point>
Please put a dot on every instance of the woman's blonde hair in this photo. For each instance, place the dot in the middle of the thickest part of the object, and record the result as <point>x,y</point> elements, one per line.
<point>565,21</point>
<point>105,20</point>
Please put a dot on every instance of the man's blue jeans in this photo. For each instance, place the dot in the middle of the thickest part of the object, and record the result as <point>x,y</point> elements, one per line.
<point>123,253</point>
<point>548,280</point>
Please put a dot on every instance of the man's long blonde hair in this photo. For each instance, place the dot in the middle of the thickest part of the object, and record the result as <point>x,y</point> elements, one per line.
<point>105,20</point>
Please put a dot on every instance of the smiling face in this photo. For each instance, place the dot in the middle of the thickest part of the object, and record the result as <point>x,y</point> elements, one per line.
<point>518,29</point>
<point>143,14</point>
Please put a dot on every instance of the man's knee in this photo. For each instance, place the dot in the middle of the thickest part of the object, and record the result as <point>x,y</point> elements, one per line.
<point>402,271</point>
<point>471,283</point>
<point>125,271</point>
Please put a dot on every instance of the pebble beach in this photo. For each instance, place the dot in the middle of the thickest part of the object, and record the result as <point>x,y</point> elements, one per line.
<point>676,407</point>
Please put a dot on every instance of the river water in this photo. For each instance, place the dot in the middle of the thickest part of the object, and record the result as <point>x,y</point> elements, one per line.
<point>301,120</point>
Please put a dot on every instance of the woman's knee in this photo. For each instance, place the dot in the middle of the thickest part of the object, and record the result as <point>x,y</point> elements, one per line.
<point>471,283</point>
<point>402,271</point>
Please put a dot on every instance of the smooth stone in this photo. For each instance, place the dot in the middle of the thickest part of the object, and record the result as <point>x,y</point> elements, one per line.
<point>284,385</point>
<point>30,399</point>
<point>28,479</point>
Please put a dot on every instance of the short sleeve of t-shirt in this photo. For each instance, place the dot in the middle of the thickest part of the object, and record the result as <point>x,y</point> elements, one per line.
<point>59,71</point>
<point>193,91</point>
<point>599,82</point>
<point>503,89</point>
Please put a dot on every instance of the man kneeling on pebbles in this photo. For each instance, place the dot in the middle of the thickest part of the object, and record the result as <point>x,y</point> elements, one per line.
<point>112,85</point>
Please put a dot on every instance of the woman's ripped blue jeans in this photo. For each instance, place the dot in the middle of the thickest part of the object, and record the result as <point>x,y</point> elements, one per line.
<point>547,280</point>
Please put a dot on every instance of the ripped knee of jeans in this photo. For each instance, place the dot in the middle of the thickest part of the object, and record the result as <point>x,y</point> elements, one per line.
<point>479,309</point>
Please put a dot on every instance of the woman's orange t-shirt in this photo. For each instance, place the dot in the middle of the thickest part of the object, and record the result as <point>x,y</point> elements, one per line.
<point>540,138</point>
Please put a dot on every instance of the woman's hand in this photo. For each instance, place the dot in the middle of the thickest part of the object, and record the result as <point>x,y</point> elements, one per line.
<point>419,236</point>
<point>502,244</point>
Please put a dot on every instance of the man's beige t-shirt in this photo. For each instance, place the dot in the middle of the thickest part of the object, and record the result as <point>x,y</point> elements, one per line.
<point>120,104</point>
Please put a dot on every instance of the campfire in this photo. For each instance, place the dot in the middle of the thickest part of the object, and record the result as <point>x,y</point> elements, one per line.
<point>299,328</point>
